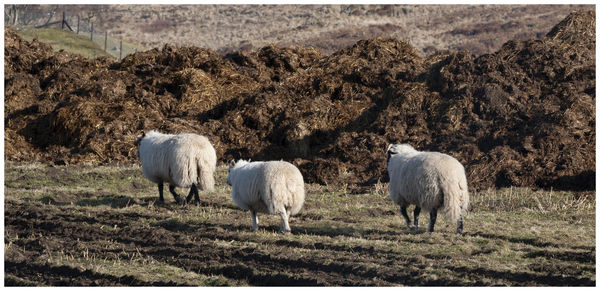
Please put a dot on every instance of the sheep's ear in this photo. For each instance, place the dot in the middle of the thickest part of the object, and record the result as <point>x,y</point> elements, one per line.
<point>389,147</point>
<point>139,138</point>
<point>232,163</point>
<point>389,153</point>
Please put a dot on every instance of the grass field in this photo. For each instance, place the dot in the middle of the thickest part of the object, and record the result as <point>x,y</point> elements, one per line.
<point>77,43</point>
<point>102,225</point>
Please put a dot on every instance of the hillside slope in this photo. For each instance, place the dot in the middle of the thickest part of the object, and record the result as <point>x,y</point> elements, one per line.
<point>227,28</point>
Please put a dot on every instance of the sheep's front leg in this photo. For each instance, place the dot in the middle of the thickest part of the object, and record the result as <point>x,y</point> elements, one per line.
<point>416,214</point>
<point>459,228</point>
<point>172,189</point>
<point>254,220</point>
<point>285,227</point>
<point>160,193</point>
<point>432,218</point>
<point>403,211</point>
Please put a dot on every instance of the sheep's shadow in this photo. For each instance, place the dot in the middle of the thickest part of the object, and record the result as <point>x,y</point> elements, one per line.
<point>349,231</point>
<point>171,204</point>
<point>174,225</point>
<point>116,201</point>
<point>121,201</point>
<point>168,203</point>
<point>49,200</point>
<point>203,229</point>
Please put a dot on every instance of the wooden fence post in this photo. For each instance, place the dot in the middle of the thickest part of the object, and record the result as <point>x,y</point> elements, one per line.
<point>92,31</point>
<point>14,10</point>
<point>62,23</point>
<point>121,50</point>
<point>105,39</point>
<point>77,24</point>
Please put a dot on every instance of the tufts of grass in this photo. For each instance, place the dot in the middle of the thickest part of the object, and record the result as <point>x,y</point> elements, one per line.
<point>513,236</point>
<point>143,268</point>
<point>511,199</point>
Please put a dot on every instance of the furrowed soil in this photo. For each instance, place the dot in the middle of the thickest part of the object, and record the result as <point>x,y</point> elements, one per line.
<point>522,116</point>
<point>103,226</point>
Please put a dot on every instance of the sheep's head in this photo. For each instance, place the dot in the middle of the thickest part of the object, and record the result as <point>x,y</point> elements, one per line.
<point>137,142</point>
<point>231,165</point>
<point>394,149</point>
<point>138,139</point>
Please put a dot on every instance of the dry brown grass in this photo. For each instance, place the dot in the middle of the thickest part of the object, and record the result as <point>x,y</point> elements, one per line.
<point>478,28</point>
<point>102,226</point>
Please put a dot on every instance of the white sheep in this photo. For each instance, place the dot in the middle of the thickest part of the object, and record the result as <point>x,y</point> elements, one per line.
<point>182,160</point>
<point>429,180</point>
<point>274,187</point>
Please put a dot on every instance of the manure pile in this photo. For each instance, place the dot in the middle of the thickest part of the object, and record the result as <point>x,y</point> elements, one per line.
<point>523,116</point>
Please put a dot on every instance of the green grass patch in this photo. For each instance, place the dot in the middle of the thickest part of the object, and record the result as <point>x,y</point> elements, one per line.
<point>80,44</point>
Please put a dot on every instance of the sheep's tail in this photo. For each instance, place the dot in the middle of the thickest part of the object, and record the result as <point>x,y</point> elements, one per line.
<point>296,186</point>
<point>456,198</point>
<point>286,190</point>
<point>206,179</point>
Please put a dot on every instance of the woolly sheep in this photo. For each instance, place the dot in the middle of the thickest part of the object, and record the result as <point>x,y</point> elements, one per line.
<point>428,180</point>
<point>182,160</point>
<point>274,187</point>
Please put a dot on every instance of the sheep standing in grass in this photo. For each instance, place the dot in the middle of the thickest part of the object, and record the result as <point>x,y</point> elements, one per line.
<point>429,180</point>
<point>182,160</point>
<point>274,187</point>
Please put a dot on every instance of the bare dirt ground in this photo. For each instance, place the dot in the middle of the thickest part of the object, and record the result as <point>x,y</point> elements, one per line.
<point>103,226</point>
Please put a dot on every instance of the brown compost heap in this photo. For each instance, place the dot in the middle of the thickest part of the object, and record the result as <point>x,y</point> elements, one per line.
<point>523,116</point>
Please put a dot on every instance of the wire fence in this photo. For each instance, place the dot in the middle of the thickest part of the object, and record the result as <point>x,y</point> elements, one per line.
<point>33,16</point>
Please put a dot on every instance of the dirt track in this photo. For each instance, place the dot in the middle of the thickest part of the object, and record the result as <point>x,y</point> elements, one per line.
<point>523,116</point>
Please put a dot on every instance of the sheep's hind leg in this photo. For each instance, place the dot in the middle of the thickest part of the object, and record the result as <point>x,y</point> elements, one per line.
<point>405,215</point>
<point>193,192</point>
<point>254,220</point>
<point>175,196</point>
<point>416,214</point>
<point>432,218</point>
<point>459,228</point>
<point>161,199</point>
<point>285,227</point>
